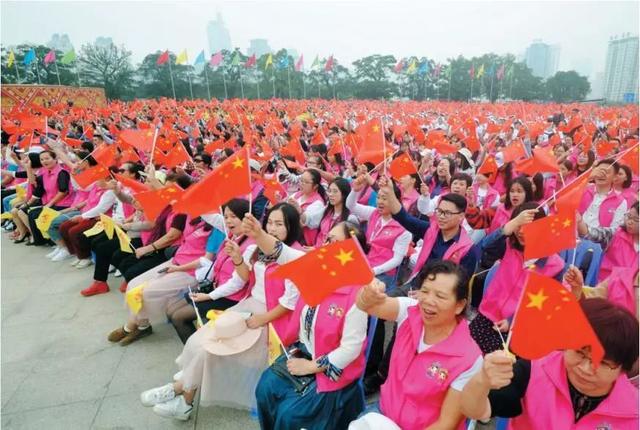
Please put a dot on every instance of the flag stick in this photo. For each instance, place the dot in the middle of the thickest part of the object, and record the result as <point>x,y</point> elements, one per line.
<point>78,73</point>
<point>15,64</point>
<point>384,149</point>
<point>241,84</point>
<point>304,87</point>
<point>195,308</point>
<point>562,179</point>
<point>505,345</point>
<point>55,63</point>
<point>249,170</point>
<point>206,76</point>
<point>289,80</point>
<point>224,224</point>
<point>190,86</point>
<point>38,71</point>
<point>173,88</point>
<point>257,82</point>
<point>224,83</point>
<point>273,80</point>
<point>473,69</point>
<point>153,146</point>
<point>450,78</point>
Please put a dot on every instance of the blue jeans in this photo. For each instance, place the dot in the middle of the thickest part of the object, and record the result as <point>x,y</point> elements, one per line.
<point>54,228</point>
<point>6,203</point>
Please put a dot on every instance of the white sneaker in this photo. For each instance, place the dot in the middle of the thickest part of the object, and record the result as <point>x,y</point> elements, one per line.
<point>176,408</point>
<point>111,268</point>
<point>117,274</point>
<point>61,255</point>
<point>177,376</point>
<point>53,252</point>
<point>84,263</point>
<point>75,261</point>
<point>157,395</point>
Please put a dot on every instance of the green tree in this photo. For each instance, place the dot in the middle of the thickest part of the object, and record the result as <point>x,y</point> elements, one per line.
<point>108,67</point>
<point>566,87</point>
<point>47,74</point>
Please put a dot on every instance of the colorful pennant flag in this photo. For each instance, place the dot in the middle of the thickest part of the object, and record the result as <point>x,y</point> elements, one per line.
<point>182,58</point>
<point>275,345</point>
<point>50,57</point>
<point>329,64</point>
<point>29,57</point>
<point>300,63</point>
<point>124,240</point>
<point>163,58</point>
<point>199,59</point>
<point>69,57</point>
<point>44,220</point>
<point>269,61</point>
<point>108,224</point>
<point>11,58</point>
<point>216,59</point>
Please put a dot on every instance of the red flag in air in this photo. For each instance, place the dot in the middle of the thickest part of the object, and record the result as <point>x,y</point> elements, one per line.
<point>91,175</point>
<point>229,180</point>
<point>163,58</point>
<point>568,198</point>
<point>320,272</point>
<point>549,318</point>
<point>153,202</point>
<point>543,161</point>
<point>140,139</point>
<point>549,235</point>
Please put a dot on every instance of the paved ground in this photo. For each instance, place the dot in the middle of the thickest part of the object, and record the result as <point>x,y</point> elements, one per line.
<point>58,369</point>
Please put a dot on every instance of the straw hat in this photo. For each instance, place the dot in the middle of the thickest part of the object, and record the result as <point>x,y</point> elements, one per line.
<point>231,335</point>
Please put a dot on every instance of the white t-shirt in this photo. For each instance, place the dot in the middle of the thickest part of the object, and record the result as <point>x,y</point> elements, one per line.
<point>458,384</point>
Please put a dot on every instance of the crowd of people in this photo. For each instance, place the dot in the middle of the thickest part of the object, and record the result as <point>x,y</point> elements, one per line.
<point>444,241</point>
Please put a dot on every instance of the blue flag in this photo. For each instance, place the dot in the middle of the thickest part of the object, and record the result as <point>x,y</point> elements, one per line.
<point>28,59</point>
<point>423,69</point>
<point>283,63</point>
<point>199,58</point>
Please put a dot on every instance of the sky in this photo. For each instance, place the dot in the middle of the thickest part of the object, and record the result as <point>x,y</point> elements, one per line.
<point>347,29</point>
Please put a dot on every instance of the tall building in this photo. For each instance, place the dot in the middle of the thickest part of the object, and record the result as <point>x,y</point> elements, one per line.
<point>542,58</point>
<point>218,35</point>
<point>258,47</point>
<point>621,70</point>
<point>60,42</point>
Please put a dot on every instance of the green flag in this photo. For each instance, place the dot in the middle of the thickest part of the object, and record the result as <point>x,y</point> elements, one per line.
<point>68,57</point>
<point>316,63</point>
<point>236,59</point>
<point>510,71</point>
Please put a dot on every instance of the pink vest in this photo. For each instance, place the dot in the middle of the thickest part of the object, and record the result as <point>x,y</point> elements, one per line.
<point>621,288</point>
<point>223,269</point>
<point>381,240</point>
<point>500,185</point>
<point>274,289</point>
<point>326,224</point>
<point>309,233</point>
<point>501,299</point>
<point>79,197</point>
<point>455,252</point>
<point>256,187</point>
<point>418,382</point>
<point>547,403</point>
<point>409,199</point>
<point>550,185</point>
<point>327,334</point>
<point>607,208</point>
<point>629,195</point>
<point>620,253</point>
<point>93,196</point>
<point>50,181</point>
<point>192,247</point>
<point>491,196</point>
<point>365,196</point>
<point>500,218</point>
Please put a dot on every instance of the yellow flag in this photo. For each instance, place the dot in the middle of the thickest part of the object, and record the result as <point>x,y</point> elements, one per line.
<point>96,229</point>
<point>43,222</point>
<point>133,297</point>
<point>21,193</point>
<point>11,59</point>
<point>412,67</point>
<point>182,58</point>
<point>480,72</point>
<point>125,241</point>
<point>213,315</point>
<point>269,62</point>
<point>275,345</point>
<point>108,225</point>
<point>6,215</point>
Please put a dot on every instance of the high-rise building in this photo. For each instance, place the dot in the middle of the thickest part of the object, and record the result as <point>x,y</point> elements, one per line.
<point>621,70</point>
<point>542,58</point>
<point>259,47</point>
<point>218,35</point>
<point>60,42</point>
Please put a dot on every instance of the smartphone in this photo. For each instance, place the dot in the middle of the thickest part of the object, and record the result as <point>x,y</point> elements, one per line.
<point>163,270</point>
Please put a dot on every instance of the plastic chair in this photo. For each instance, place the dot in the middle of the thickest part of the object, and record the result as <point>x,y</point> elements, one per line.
<point>373,322</point>
<point>588,258</point>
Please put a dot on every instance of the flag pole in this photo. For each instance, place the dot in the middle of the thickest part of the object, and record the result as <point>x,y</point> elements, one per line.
<point>78,73</point>
<point>224,224</point>
<point>173,88</point>
<point>304,87</point>
<point>491,90</point>
<point>384,149</point>
<point>224,83</point>
<point>473,70</point>
<point>190,86</point>
<point>206,76</point>
<point>257,81</point>
<point>153,145</point>
<point>273,80</point>
<point>198,318</point>
<point>289,79</point>
<point>38,71</point>
<point>511,82</point>
<point>450,79</point>
<point>17,73</point>
<point>241,84</point>
<point>55,63</point>
<point>249,170</point>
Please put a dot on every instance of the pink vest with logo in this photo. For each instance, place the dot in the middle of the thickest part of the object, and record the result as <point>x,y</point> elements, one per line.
<point>503,294</point>
<point>381,240</point>
<point>274,289</point>
<point>309,233</point>
<point>327,334</point>
<point>50,182</point>
<point>620,253</point>
<point>223,269</point>
<point>192,247</point>
<point>491,196</point>
<point>500,218</point>
<point>418,382</point>
<point>607,208</point>
<point>455,252</point>
<point>547,403</point>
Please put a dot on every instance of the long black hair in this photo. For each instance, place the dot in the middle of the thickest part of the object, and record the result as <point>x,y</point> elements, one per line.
<point>345,188</point>
<point>526,186</point>
<point>291,222</point>
<point>317,180</point>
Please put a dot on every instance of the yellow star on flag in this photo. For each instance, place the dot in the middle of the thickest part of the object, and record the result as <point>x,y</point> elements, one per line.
<point>566,223</point>
<point>536,300</point>
<point>376,128</point>
<point>238,163</point>
<point>344,257</point>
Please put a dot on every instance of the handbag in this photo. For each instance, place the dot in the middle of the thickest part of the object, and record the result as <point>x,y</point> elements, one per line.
<point>206,285</point>
<point>300,383</point>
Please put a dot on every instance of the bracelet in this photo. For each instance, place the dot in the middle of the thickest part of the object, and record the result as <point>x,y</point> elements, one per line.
<point>154,246</point>
<point>239,264</point>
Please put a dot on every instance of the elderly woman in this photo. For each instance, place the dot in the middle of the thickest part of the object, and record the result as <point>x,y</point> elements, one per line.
<point>564,390</point>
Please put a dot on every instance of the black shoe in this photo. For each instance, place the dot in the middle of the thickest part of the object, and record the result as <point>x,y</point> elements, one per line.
<point>372,384</point>
<point>22,239</point>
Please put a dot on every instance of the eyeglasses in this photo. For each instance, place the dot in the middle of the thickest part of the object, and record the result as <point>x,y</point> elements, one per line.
<point>445,214</point>
<point>304,181</point>
<point>198,160</point>
<point>631,218</point>
<point>580,357</point>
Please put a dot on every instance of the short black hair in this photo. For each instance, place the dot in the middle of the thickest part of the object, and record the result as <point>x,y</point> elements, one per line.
<point>459,201</point>
<point>445,267</point>
<point>610,161</point>
<point>462,177</point>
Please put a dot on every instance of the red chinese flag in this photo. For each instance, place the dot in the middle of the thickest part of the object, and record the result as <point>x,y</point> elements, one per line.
<point>604,148</point>
<point>141,139</point>
<point>105,154</point>
<point>549,235</point>
<point>153,202</point>
<point>513,152</point>
<point>631,158</point>
<point>319,273</point>
<point>76,143</point>
<point>211,147</point>
<point>488,166</point>
<point>163,58</point>
<point>177,156</point>
<point>274,191</point>
<point>132,184</point>
<point>580,138</point>
<point>472,143</point>
<point>229,180</point>
<point>542,161</point>
<point>549,318</point>
<point>294,149</point>
<point>372,148</point>
<point>91,175</point>
<point>129,156</point>
<point>568,198</point>
<point>443,147</point>
<point>402,166</point>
